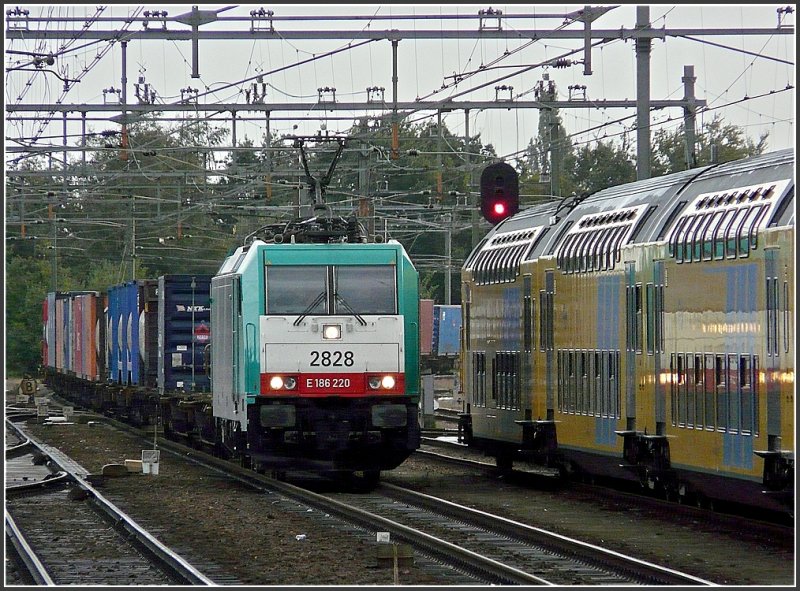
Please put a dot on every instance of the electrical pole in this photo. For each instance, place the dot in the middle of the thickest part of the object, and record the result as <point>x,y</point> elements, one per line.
<point>643,95</point>
<point>689,116</point>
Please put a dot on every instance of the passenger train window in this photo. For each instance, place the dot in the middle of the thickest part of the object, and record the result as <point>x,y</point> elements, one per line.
<point>605,245</point>
<point>747,233</point>
<point>687,236</point>
<point>292,290</point>
<point>680,240</point>
<point>734,394</point>
<point>566,254</point>
<point>379,299</point>
<point>746,389</point>
<point>756,223</point>
<point>615,250</point>
<point>734,232</point>
<point>582,250</point>
<point>698,242</point>
<point>708,237</point>
<point>720,232</point>
<point>720,371</point>
<point>591,261</point>
<point>708,388</point>
<point>673,240</point>
<point>699,393</point>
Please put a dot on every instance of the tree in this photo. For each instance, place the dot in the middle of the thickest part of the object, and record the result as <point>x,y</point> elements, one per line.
<point>28,280</point>
<point>727,140</point>
<point>597,167</point>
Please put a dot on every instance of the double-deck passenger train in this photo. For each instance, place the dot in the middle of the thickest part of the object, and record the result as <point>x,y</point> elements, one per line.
<point>644,332</point>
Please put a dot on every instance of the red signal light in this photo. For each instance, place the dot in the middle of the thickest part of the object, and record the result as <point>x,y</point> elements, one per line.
<point>499,192</point>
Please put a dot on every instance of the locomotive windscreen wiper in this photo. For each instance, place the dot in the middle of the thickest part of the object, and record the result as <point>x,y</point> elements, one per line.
<point>310,307</point>
<point>341,300</point>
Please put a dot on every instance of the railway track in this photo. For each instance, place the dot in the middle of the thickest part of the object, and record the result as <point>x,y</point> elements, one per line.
<point>64,532</point>
<point>441,446</point>
<point>451,561</point>
<point>487,548</point>
<point>524,554</point>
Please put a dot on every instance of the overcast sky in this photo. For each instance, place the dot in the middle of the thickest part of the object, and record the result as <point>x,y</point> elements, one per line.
<point>758,67</point>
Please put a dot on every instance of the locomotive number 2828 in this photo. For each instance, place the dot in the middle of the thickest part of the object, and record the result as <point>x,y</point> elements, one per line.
<point>331,358</point>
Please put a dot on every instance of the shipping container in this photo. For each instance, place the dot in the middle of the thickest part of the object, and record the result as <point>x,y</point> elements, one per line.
<point>115,333</point>
<point>446,330</point>
<point>85,328</point>
<point>184,328</point>
<point>425,327</point>
<point>148,333</point>
<point>49,344</point>
<point>76,334</point>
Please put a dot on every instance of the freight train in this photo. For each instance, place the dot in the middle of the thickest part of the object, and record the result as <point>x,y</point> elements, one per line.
<point>314,362</point>
<point>300,353</point>
<point>644,332</point>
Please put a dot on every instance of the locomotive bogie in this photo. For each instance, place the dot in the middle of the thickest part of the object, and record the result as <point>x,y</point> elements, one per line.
<point>648,335</point>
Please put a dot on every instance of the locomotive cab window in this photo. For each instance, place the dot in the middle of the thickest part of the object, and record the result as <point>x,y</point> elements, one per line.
<point>294,290</point>
<point>381,298</point>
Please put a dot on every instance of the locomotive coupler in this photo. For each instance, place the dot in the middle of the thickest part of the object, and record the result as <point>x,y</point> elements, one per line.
<point>539,437</point>
<point>648,456</point>
<point>778,469</point>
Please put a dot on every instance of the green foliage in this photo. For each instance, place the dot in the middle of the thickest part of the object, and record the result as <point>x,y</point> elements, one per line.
<point>27,283</point>
<point>592,168</point>
<point>729,141</point>
<point>427,287</point>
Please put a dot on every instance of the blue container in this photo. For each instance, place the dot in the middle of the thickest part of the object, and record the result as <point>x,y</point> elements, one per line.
<point>123,309</point>
<point>446,330</point>
<point>115,334</point>
<point>184,327</point>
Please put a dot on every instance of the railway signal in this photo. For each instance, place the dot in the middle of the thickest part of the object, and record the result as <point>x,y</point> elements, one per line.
<point>499,192</point>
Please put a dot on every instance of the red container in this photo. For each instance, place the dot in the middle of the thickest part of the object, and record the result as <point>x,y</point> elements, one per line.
<point>425,327</point>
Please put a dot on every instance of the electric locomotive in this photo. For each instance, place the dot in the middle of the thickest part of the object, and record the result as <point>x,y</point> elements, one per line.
<point>644,332</point>
<point>315,356</point>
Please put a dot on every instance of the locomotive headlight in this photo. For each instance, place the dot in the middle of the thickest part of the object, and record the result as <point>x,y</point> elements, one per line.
<point>386,382</point>
<point>331,331</point>
<point>282,383</point>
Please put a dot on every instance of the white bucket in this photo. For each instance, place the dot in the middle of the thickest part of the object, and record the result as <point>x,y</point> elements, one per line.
<point>154,468</point>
